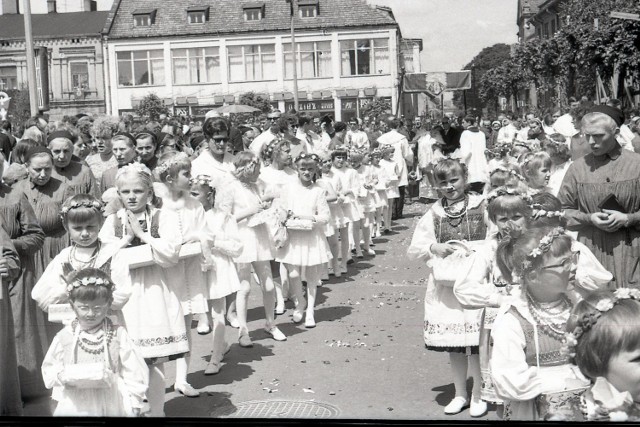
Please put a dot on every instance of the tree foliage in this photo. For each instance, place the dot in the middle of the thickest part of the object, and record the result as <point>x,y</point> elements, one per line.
<point>152,106</point>
<point>254,100</point>
<point>377,107</point>
<point>19,106</point>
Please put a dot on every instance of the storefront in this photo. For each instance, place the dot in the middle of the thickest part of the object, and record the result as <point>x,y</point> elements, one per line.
<point>316,108</point>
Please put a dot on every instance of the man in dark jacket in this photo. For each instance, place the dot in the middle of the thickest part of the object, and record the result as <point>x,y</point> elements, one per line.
<point>451,137</point>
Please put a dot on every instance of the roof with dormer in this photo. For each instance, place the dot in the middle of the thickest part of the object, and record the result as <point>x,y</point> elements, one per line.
<point>54,25</point>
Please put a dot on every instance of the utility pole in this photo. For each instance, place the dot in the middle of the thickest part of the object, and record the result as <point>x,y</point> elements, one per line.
<point>31,62</point>
<point>294,55</point>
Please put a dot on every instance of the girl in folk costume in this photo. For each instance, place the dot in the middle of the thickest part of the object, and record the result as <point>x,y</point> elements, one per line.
<point>483,286</point>
<point>603,340</point>
<point>448,326</point>
<point>242,199</point>
<point>222,279</point>
<point>187,278</point>
<point>307,245</point>
<point>380,196</point>
<point>82,218</point>
<point>336,217</point>
<point>536,168</point>
<point>343,183</point>
<point>92,364</point>
<point>526,362</point>
<point>361,163</point>
<point>392,171</point>
<point>153,314</point>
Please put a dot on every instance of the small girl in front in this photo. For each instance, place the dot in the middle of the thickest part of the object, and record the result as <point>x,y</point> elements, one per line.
<point>536,169</point>
<point>604,341</point>
<point>153,314</point>
<point>222,279</point>
<point>448,327</point>
<point>526,361</point>
<point>392,172</point>
<point>92,365</point>
<point>307,245</point>
<point>336,221</point>
<point>82,218</point>
<point>365,187</point>
<point>188,277</point>
<point>382,181</point>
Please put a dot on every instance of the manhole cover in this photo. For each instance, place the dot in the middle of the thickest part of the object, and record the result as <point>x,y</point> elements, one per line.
<point>283,409</point>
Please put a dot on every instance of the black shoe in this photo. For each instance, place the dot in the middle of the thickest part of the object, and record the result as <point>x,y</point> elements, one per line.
<point>351,261</point>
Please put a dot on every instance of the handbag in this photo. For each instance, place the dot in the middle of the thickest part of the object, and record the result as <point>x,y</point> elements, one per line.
<point>89,375</point>
<point>299,224</point>
<point>447,270</point>
<point>562,405</point>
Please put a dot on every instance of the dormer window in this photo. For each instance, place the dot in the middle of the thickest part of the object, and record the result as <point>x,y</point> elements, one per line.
<point>197,14</point>
<point>253,11</point>
<point>308,8</point>
<point>144,17</point>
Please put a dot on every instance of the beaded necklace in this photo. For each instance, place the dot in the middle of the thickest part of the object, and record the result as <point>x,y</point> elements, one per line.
<point>73,259</point>
<point>552,317</point>
<point>95,347</point>
<point>455,217</point>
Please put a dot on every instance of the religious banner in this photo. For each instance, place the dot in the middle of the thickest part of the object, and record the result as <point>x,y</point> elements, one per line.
<point>436,82</point>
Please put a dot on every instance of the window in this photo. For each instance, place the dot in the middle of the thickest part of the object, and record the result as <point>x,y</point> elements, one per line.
<point>313,60</point>
<point>253,62</point>
<point>545,30</point>
<point>362,57</point>
<point>140,68</point>
<point>253,11</point>
<point>553,27</point>
<point>196,17</point>
<point>308,10</point>
<point>8,78</point>
<point>196,65</point>
<point>51,6</point>
<point>144,18</point>
<point>90,5</point>
<point>79,75</point>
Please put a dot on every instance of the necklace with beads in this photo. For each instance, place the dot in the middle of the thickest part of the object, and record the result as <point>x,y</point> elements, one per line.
<point>95,346</point>
<point>74,261</point>
<point>455,216</point>
<point>551,317</point>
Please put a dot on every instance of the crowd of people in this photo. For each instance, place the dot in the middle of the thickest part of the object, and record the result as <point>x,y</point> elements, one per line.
<point>117,234</point>
<point>532,249</point>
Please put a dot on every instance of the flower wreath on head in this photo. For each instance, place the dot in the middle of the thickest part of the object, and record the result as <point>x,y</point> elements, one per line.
<point>538,212</point>
<point>314,157</point>
<point>269,148</point>
<point>201,180</point>
<point>522,144</point>
<point>504,191</point>
<point>89,281</point>
<point>511,172</point>
<point>589,319</point>
<point>446,158</point>
<point>543,247</point>
<point>133,167</point>
<point>376,152</point>
<point>341,149</point>
<point>164,167</point>
<point>95,204</point>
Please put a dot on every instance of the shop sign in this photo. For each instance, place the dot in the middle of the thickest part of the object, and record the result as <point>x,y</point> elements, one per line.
<point>312,105</point>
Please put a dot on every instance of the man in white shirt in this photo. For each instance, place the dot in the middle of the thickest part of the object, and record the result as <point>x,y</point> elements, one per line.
<point>264,139</point>
<point>473,144</point>
<point>356,138</point>
<point>507,133</point>
<point>402,156</point>
<point>311,139</point>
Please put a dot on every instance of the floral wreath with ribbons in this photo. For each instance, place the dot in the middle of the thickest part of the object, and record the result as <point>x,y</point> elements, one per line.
<point>504,191</point>
<point>511,172</point>
<point>268,149</point>
<point>164,167</point>
<point>446,158</point>
<point>588,320</point>
<point>313,157</point>
<point>89,281</point>
<point>538,212</point>
<point>201,180</point>
<point>134,167</point>
<point>94,204</point>
<point>543,247</point>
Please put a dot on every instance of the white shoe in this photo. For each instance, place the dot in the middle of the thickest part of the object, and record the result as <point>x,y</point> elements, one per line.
<point>456,405</point>
<point>478,407</point>
<point>309,322</point>
<point>276,334</point>
<point>370,252</point>
<point>297,315</point>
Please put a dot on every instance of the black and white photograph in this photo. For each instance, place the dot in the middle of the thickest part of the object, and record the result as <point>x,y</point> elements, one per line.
<point>277,211</point>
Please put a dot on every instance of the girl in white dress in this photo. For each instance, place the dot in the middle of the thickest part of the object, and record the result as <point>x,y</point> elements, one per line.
<point>242,199</point>
<point>82,217</point>
<point>560,155</point>
<point>382,181</point>
<point>188,278</point>
<point>536,169</point>
<point>528,334</point>
<point>392,171</point>
<point>93,366</point>
<point>336,221</point>
<point>307,245</point>
<point>365,190</point>
<point>153,314</point>
<point>343,184</point>
<point>222,231</point>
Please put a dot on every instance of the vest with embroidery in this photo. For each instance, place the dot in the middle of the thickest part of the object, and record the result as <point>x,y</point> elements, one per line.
<point>155,228</point>
<point>549,347</point>
<point>470,227</point>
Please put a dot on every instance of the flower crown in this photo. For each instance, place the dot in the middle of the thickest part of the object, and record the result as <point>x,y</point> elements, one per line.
<point>135,167</point>
<point>312,156</point>
<point>504,191</point>
<point>341,149</point>
<point>446,158</point>
<point>164,167</point>
<point>543,247</point>
<point>89,281</point>
<point>201,180</point>
<point>252,163</point>
<point>95,204</point>
<point>376,152</point>
<point>588,320</point>
<point>269,148</point>
<point>538,212</point>
<point>522,144</point>
<point>511,172</point>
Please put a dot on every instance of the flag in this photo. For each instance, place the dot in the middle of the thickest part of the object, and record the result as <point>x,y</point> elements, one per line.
<point>437,82</point>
